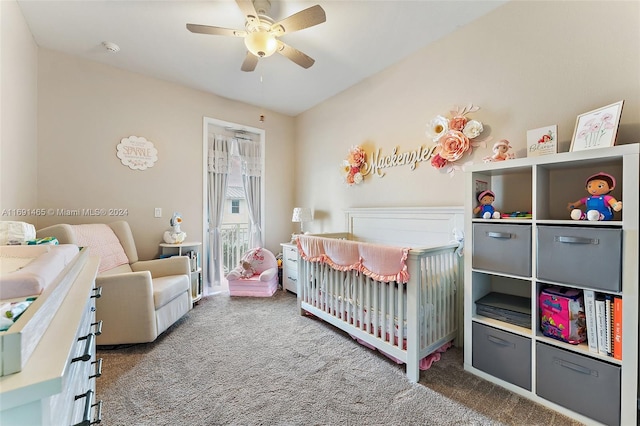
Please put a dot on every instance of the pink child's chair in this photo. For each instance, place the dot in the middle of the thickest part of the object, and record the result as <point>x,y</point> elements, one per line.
<point>256,275</point>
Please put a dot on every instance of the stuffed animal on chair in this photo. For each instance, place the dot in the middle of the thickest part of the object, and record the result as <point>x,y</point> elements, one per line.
<point>255,275</point>
<point>256,261</point>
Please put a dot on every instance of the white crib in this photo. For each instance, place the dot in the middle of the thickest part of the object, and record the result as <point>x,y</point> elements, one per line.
<point>406,321</point>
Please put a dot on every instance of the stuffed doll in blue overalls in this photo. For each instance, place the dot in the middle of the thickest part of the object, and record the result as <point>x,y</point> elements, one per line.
<point>485,209</point>
<point>599,205</point>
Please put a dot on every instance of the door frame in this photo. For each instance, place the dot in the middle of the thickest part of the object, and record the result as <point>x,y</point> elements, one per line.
<point>227,128</point>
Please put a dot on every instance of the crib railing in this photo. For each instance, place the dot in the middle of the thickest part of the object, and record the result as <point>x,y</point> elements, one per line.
<point>407,321</point>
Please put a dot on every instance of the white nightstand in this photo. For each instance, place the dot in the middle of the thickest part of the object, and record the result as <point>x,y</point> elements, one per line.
<point>192,251</point>
<point>290,267</point>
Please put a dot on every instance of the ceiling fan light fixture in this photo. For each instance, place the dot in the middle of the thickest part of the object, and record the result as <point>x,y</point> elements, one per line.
<point>261,43</point>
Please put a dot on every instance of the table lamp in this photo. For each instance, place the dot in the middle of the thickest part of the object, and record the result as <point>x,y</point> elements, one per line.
<point>302,215</point>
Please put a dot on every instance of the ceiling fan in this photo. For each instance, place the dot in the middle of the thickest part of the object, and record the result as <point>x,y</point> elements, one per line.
<point>261,32</point>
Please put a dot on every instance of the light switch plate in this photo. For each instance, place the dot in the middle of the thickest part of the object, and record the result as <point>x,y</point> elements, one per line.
<point>157,212</point>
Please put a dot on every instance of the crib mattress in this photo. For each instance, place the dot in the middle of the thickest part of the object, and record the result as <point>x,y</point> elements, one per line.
<point>253,288</point>
<point>28,270</point>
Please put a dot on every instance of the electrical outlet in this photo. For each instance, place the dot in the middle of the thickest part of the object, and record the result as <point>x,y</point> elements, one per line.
<point>157,212</point>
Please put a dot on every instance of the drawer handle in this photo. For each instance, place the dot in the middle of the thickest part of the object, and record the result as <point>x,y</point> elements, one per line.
<point>575,240</point>
<point>499,235</point>
<point>86,356</point>
<point>292,278</point>
<point>575,367</point>
<point>98,369</point>
<point>98,328</point>
<point>500,342</point>
<point>98,292</point>
<point>293,260</point>
<point>88,405</point>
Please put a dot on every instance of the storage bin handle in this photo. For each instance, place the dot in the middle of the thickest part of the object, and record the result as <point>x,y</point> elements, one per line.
<point>499,341</point>
<point>498,234</point>
<point>575,240</point>
<point>575,367</point>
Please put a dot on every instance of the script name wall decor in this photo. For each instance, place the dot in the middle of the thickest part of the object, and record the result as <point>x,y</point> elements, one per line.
<point>453,138</point>
<point>359,163</point>
<point>137,153</point>
<point>395,159</point>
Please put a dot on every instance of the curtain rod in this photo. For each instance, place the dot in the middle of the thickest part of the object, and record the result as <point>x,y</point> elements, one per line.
<point>234,129</point>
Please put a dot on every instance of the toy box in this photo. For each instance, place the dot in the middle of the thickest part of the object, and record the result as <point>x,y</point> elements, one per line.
<point>562,314</point>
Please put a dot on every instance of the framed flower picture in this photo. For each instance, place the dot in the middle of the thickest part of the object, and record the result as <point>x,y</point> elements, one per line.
<point>597,128</point>
<point>542,141</point>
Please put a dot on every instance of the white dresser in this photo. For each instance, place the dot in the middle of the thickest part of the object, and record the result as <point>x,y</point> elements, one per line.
<point>290,267</point>
<point>57,384</point>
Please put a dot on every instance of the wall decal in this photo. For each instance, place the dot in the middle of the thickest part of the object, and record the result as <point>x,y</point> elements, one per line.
<point>137,153</point>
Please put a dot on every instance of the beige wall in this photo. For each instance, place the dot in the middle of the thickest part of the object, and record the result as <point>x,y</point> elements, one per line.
<point>527,65</point>
<point>86,108</point>
<point>18,113</point>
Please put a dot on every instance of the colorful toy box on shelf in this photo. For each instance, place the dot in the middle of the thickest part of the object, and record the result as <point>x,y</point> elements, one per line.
<point>562,314</point>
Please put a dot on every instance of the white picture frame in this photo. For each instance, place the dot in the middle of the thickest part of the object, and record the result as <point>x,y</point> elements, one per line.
<point>597,128</point>
<point>542,141</point>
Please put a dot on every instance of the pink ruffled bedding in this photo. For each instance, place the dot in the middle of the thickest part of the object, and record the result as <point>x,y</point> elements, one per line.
<point>424,364</point>
<point>382,263</point>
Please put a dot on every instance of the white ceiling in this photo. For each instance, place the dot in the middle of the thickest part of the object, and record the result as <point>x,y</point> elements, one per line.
<point>359,39</point>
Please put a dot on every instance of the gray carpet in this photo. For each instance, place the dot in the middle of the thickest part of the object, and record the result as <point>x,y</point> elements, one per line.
<point>256,361</point>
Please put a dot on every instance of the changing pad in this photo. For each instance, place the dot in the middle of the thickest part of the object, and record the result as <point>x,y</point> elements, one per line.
<point>27,270</point>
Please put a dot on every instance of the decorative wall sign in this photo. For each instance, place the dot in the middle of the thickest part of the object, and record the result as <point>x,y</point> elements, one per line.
<point>452,137</point>
<point>542,141</point>
<point>137,153</point>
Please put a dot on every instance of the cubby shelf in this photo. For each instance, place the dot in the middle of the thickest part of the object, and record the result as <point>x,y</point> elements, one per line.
<point>526,261</point>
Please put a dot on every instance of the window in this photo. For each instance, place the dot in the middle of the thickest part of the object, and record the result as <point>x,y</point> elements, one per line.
<point>235,206</point>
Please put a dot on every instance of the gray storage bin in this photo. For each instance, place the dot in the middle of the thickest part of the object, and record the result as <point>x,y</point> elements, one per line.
<point>503,355</point>
<point>502,248</point>
<point>579,383</point>
<point>582,256</point>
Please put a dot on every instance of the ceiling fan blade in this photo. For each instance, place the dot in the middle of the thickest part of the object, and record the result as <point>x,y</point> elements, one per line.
<point>298,21</point>
<point>249,63</point>
<point>206,29</point>
<point>295,55</point>
<point>249,10</point>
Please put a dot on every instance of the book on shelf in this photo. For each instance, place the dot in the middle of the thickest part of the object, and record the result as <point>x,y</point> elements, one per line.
<point>617,327</point>
<point>590,314</point>
<point>601,325</point>
<point>609,326</point>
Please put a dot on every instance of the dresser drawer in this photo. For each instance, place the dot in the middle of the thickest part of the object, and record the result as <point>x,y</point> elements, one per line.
<point>587,257</point>
<point>290,268</point>
<point>502,354</point>
<point>579,383</point>
<point>502,248</point>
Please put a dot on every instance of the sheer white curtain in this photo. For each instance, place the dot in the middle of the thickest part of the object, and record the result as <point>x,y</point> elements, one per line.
<point>218,166</point>
<point>251,161</point>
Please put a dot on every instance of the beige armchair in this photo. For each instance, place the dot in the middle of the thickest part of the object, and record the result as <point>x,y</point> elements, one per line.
<point>140,299</point>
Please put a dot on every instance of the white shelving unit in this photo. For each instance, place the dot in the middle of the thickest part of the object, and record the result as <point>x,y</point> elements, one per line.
<point>519,358</point>
<point>191,249</point>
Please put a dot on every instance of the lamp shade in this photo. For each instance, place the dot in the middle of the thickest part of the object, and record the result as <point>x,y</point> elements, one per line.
<point>302,214</point>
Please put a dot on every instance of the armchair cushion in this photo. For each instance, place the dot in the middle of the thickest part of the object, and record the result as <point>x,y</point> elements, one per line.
<point>165,289</point>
